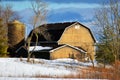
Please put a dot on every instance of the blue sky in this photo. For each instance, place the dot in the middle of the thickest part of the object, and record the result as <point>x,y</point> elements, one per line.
<point>56,4</point>
<point>61,10</point>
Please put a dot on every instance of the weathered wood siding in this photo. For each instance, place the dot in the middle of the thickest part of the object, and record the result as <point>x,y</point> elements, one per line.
<point>77,35</point>
<point>67,52</point>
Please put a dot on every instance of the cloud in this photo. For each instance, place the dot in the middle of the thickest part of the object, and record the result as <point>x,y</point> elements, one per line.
<point>64,1</point>
<point>63,16</point>
<point>74,14</point>
<point>72,5</point>
<point>16,0</point>
<point>77,1</point>
<point>52,4</point>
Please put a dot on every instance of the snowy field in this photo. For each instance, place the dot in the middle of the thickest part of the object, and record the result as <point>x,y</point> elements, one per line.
<point>15,67</point>
<point>10,78</point>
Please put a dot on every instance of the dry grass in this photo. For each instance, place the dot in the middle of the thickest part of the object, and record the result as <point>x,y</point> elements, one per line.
<point>94,73</point>
<point>102,73</point>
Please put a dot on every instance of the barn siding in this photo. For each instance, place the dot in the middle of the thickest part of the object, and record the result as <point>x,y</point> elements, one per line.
<point>67,52</point>
<point>78,36</point>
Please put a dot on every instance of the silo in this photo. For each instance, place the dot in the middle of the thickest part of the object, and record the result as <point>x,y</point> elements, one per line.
<point>16,33</point>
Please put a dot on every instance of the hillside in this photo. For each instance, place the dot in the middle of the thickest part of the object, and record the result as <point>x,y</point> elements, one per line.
<point>60,69</point>
<point>15,67</point>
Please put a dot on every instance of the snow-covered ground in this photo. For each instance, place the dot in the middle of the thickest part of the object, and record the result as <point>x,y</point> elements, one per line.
<point>14,67</point>
<point>11,78</point>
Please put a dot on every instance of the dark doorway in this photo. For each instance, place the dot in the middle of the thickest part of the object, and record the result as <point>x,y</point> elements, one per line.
<point>41,54</point>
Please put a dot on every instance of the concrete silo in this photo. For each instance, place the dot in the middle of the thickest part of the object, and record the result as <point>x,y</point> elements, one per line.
<point>16,35</point>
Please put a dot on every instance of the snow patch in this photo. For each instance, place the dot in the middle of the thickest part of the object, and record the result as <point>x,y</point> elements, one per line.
<point>37,48</point>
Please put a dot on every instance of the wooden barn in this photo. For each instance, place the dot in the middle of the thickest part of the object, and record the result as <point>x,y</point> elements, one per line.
<point>66,39</point>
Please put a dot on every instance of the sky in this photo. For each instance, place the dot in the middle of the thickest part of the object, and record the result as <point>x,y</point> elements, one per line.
<point>60,11</point>
<point>56,4</point>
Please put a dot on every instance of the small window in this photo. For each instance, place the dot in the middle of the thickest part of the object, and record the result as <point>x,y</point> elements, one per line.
<point>77,26</point>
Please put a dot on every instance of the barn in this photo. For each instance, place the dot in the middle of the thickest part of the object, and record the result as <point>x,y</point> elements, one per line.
<point>66,39</point>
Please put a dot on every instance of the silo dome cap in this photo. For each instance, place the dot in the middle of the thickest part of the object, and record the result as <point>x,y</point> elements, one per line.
<point>16,21</point>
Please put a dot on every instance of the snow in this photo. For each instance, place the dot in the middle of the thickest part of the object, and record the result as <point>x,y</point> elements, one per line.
<point>37,48</point>
<point>13,67</point>
<point>11,78</point>
<point>75,62</point>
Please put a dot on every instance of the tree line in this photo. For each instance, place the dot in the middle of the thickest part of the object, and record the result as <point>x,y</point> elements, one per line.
<point>6,15</point>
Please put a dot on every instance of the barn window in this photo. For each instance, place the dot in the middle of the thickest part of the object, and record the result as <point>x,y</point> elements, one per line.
<point>77,26</point>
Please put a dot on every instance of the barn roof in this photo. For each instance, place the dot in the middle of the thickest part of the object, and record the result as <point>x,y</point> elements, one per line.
<point>53,32</point>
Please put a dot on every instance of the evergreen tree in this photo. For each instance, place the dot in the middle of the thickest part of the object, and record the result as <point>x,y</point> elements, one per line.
<point>3,39</point>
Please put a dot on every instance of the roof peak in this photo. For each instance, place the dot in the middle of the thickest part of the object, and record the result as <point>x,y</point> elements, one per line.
<point>62,22</point>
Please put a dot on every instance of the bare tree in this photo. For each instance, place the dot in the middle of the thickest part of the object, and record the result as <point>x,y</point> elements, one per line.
<point>7,13</point>
<point>39,9</point>
<point>90,51</point>
<point>108,19</point>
